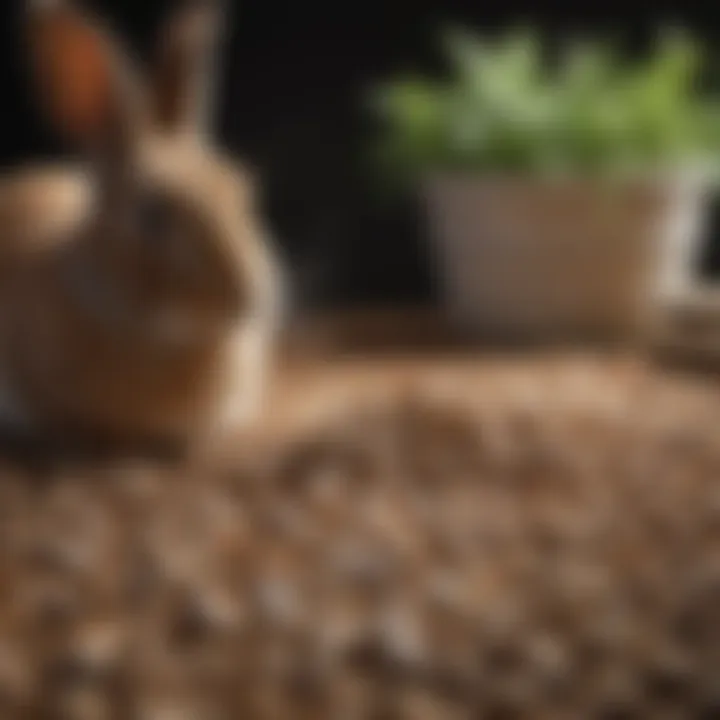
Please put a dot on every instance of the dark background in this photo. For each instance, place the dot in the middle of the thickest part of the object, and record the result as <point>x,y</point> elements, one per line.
<point>293,85</point>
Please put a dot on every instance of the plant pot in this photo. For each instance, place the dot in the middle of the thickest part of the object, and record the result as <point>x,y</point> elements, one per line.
<point>528,258</point>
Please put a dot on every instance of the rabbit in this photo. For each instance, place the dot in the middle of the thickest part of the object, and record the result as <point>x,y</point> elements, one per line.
<point>139,292</point>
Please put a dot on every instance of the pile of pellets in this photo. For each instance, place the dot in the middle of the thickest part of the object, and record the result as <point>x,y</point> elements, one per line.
<point>535,552</point>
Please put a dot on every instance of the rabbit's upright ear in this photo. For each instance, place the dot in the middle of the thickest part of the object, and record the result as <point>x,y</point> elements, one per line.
<point>186,68</point>
<point>86,84</point>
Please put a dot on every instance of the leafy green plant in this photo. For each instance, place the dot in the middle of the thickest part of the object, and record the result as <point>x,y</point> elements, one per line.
<point>505,108</point>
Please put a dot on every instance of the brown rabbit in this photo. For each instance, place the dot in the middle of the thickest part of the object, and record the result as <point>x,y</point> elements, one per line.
<point>138,290</point>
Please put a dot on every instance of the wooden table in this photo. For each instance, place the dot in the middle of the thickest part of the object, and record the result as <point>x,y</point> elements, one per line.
<point>343,359</point>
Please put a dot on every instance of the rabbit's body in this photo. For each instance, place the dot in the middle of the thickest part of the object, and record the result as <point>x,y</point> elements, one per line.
<point>76,349</point>
<point>137,297</point>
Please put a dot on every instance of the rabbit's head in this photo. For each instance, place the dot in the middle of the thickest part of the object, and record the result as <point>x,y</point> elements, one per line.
<point>174,221</point>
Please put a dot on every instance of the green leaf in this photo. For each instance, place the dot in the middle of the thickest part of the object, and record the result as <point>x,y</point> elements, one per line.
<point>503,109</point>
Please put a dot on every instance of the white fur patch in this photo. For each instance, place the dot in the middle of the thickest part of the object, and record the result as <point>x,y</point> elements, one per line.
<point>248,379</point>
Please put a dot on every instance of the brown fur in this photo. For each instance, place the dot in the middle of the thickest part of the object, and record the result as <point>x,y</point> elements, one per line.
<point>86,281</point>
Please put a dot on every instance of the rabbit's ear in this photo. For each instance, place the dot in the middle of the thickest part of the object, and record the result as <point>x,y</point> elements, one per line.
<point>186,69</point>
<point>86,84</point>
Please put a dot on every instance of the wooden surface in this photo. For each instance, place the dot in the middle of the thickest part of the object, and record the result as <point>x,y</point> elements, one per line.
<point>342,360</point>
<point>690,328</point>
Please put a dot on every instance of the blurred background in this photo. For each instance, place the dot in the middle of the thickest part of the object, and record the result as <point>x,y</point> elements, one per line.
<point>503,535</point>
<point>293,102</point>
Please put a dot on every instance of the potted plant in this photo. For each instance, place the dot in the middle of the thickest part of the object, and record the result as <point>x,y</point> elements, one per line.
<point>561,197</point>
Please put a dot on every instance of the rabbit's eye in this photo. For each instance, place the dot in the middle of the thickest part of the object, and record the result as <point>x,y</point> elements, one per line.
<point>167,237</point>
<point>154,217</point>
